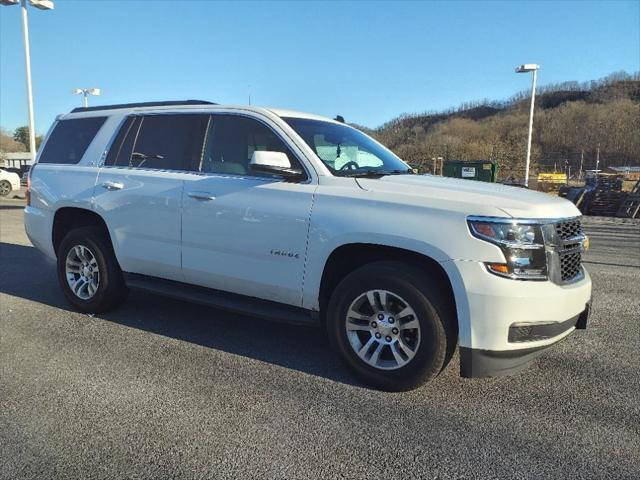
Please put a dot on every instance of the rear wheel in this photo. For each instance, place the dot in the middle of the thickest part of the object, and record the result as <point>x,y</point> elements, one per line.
<point>5,188</point>
<point>392,325</point>
<point>88,271</point>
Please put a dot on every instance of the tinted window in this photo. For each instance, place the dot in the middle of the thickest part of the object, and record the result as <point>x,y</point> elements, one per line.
<point>231,141</point>
<point>117,147</point>
<point>125,149</point>
<point>70,139</point>
<point>167,142</point>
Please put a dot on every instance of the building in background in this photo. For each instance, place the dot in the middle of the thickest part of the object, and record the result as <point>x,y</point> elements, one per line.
<point>15,160</point>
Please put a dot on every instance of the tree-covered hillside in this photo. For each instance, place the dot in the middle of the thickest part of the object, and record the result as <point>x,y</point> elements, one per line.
<point>571,120</point>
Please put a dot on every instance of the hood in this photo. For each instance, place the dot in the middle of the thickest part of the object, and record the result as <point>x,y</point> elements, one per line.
<point>513,201</point>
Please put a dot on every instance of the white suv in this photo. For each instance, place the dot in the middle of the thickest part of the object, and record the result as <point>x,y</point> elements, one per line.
<point>303,219</point>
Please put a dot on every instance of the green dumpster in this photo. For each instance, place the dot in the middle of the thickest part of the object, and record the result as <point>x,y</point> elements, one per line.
<point>483,170</point>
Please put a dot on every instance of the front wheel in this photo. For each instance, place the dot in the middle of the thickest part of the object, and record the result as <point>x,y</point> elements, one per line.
<point>392,325</point>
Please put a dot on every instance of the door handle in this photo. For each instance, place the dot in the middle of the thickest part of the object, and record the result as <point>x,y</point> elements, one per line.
<point>113,185</point>
<point>202,196</point>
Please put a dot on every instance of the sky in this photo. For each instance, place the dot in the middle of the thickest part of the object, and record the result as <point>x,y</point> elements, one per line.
<point>367,61</point>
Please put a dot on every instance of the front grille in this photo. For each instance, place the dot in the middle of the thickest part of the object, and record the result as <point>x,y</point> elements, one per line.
<point>568,228</point>
<point>570,266</point>
<point>568,251</point>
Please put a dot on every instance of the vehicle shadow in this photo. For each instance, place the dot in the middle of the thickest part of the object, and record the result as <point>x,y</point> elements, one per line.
<point>28,274</point>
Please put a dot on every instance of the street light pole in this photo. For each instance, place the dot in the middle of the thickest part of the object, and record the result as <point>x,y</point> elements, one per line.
<point>529,67</point>
<point>85,92</point>
<point>27,60</point>
<point>42,5</point>
<point>533,101</point>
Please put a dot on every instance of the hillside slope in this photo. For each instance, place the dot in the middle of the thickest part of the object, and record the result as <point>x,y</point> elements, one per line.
<point>571,120</point>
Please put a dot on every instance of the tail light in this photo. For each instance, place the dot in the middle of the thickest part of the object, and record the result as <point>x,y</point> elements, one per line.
<point>27,194</point>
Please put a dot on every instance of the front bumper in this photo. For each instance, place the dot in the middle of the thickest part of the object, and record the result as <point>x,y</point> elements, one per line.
<point>505,323</point>
<point>478,363</point>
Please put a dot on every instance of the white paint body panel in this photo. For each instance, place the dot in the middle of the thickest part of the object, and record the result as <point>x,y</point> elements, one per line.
<point>488,305</point>
<point>250,237</point>
<point>54,187</point>
<point>227,242</point>
<point>471,195</point>
<point>143,218</point>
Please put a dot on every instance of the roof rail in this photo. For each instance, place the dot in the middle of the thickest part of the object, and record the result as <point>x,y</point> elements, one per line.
<point>166,103</point>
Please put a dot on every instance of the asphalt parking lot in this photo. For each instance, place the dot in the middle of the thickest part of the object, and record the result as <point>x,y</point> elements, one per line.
<point>165,389</point>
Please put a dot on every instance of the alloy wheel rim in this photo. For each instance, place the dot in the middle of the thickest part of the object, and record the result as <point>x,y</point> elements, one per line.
<point>82,272</point>
<point>5,188</point>
<point>383,329</point>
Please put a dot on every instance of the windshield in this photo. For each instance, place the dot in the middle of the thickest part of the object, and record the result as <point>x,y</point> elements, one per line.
<point>345,150</point>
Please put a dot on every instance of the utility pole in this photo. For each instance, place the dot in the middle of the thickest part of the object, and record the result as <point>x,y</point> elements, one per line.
<point>581,162</point>
<point>598,158</point>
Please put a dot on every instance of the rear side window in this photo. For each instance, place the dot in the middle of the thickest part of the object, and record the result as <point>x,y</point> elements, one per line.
<point>163,142</point>
<point>70,139</point>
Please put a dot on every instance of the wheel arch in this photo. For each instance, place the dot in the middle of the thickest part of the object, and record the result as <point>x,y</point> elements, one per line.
<point>69,218</point>
<point>348,257</point>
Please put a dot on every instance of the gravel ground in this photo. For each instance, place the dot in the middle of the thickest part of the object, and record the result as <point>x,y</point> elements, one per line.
<point>165,389</point>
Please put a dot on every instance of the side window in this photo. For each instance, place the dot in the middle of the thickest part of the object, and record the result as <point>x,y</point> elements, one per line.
<point>125,149</point>
<point>164,142</point>
<point>70,139</point>
<point>116,150</point>
<point>231,141</point>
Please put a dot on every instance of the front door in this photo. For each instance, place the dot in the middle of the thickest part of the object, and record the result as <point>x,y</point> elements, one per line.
<point>242,232</point>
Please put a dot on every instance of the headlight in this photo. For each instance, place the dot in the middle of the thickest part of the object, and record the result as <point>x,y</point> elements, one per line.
<point>521,243</point>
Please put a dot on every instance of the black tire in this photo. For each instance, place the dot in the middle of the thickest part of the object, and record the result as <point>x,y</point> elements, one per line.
<point>5,188</point>
<point>111,290</point>
<point>431,304</point>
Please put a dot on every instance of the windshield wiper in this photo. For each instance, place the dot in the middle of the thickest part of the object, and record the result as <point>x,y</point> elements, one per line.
<point>371,173</point>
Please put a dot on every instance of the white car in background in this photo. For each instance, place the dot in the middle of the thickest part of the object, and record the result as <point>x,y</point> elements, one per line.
<point>9,182</point>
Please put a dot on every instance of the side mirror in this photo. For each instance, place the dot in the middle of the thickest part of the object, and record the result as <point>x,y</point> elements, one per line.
<point>275,163</point>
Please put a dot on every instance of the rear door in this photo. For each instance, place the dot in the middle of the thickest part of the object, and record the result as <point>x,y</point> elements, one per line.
<point>139,189</point>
